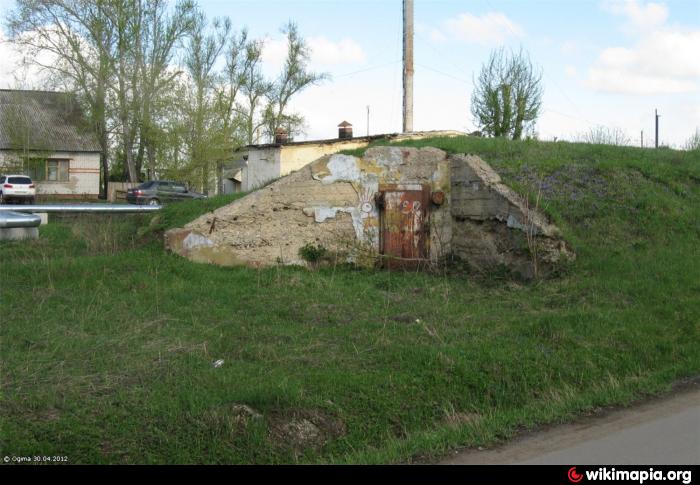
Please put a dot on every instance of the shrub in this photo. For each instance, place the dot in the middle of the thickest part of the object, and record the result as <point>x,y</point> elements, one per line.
<point>693,143</point>
<point>313,254</point>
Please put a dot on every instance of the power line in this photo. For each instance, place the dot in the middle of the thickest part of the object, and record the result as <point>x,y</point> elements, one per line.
<point>366,69</point>
<point>441,55</point>
<point>507,24</point>
<point>443,73</point>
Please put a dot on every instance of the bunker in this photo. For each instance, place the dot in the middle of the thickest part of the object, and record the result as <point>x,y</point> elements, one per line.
<point>393,207</point>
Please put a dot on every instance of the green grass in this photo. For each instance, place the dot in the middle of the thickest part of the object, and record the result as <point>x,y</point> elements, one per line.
<point>108,342</point>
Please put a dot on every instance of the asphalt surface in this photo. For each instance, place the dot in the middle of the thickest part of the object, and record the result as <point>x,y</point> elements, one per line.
<point>661,431</point>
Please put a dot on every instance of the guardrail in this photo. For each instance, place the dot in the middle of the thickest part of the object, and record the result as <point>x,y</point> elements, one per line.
<point>87,208</point>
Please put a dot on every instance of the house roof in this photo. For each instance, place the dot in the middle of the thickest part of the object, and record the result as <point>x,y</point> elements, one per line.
<point>43,121</point>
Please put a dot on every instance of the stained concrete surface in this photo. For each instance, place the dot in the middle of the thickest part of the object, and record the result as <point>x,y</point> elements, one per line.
<point>662,431</point>
<point>18,233</point>
<point>332,202</point>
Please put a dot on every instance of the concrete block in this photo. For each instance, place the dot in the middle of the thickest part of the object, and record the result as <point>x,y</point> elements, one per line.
<point>44,217</point>
<point>18,233</point>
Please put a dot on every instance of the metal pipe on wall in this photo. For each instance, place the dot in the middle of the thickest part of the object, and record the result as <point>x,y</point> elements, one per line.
<point>12,219</point>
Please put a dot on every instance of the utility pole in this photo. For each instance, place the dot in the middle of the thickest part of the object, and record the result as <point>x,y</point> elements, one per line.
<point>642,138</point>
<point>407,66</point>
<point>367,120</point>
<point>657,116</point>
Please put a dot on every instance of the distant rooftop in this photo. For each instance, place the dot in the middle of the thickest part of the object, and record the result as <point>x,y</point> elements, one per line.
<point>43,121</point>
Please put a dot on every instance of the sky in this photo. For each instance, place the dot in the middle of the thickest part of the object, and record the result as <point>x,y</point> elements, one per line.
<point>605,62</point>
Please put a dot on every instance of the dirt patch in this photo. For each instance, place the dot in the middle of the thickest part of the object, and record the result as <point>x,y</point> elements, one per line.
<point>305,429</point>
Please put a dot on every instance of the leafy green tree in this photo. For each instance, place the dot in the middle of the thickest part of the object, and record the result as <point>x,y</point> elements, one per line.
<point>507,95</point>
<point>149,73</point>
<point>205,136</point>
<point>78,37</point>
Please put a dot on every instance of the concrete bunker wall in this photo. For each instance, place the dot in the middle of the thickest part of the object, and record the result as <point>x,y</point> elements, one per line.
<point>492,225</point>
<point>330,202</point>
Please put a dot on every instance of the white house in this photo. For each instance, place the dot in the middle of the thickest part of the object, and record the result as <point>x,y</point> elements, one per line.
<point>43,134</point>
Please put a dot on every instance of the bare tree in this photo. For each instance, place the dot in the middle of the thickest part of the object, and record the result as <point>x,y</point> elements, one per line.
<point>294,78</point>
<point>254,88</point>
<point>507,94</point>
<point>693,143</point>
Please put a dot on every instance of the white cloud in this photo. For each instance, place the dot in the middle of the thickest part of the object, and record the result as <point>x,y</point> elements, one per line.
<point>660,62</point>
<point>487,29</point>
<point>323,51</point>
<point>570,71</point>
<point>639,16</point>
<point>274,51</point>
<point>345,51</point>
<point>10,61</point>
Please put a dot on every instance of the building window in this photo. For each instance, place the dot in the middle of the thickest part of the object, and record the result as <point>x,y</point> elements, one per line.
<point>47,170</point>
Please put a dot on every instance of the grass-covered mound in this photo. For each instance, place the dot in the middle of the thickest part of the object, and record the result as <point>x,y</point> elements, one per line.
<point>108,342</point>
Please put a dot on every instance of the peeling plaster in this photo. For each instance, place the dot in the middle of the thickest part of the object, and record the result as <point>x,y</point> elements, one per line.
<point>323,213</point>
<point>475,222</point>
<point>364,232</point>
<point>342,168</point>
<point>195,241</point>
<point>365,216</point>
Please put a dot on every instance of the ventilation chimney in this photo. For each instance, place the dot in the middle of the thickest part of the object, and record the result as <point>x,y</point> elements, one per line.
<point>344,130</point>
<point>281,136</point>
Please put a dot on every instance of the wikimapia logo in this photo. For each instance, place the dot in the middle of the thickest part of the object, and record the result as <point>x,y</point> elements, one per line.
<point>573,476</point>
<point>637,476</point>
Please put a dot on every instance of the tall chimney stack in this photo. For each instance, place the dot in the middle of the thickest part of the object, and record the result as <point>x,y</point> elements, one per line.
<point>407,66</point>
<point>281,136</point>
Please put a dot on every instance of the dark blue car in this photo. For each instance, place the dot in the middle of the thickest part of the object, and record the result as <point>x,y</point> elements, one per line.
<point>157,192</point>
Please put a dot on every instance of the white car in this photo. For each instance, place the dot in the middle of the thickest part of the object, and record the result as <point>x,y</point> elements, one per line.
<point>19,188</point>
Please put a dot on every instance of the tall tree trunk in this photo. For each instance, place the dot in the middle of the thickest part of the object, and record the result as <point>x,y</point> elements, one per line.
<point>138,162</point>
<point>104,161</point>
<point>519,117</point>
<point>101,128</point>
<point>151,157</point>
<point>128,146</point>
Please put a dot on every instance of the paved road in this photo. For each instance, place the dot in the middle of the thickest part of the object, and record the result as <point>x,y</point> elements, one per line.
<point>662,431</point>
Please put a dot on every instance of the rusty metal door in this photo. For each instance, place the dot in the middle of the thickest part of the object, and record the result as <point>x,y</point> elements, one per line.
<point>405,223</point>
